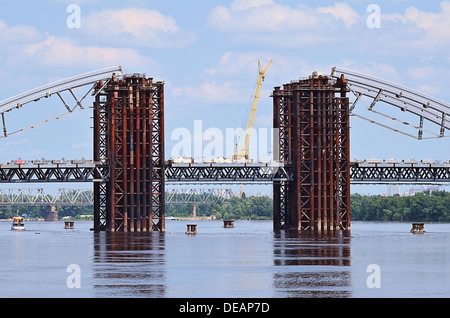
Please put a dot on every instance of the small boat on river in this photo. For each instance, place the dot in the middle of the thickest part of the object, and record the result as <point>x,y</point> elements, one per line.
<point>18,223</point>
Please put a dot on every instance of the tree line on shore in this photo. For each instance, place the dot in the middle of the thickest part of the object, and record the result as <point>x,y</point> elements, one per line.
<point>428,206</point>
<point>247,207</point>
<point>432,206</point>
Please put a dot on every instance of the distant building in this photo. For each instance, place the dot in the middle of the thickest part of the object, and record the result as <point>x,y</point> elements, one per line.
<point>393,189</point>
<point>415,190</point>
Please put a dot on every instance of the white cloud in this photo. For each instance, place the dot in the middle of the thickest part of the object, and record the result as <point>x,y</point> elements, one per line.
<point>130,20</point>
<point>266,16</point>
<point>234,63</point>
<point>17,34</point>
<point>271,17</point>
<point>55,51</point>
<point>426,79</point>
<point>376,69</point>
<point>240,5</point>
<point>428,28</point>
<point>342,11</point>
<point>136,27</point>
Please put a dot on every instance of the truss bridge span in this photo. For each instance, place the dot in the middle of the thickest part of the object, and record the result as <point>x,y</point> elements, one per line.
<point>370,171</point>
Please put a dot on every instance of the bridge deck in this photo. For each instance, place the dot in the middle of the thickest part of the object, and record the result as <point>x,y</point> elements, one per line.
<point>399,172</point>
<point>361,172</point>
<point>51,171</point>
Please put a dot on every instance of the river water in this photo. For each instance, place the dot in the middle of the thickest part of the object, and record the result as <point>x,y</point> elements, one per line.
<point>247,261</point>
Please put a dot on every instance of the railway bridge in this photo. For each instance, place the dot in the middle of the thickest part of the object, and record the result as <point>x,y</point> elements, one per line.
<point>311,171</point>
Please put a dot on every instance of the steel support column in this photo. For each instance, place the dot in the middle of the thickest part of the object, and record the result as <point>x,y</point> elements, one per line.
<point>129,139</point>
<point>312,116</point>
<point>282,138</point>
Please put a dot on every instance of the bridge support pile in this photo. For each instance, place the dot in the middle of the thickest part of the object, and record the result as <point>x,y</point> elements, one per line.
<point>312,118</point>
<point>129,142</point>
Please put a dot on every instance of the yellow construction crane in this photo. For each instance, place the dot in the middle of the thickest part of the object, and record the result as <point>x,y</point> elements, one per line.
<point>243,152</point>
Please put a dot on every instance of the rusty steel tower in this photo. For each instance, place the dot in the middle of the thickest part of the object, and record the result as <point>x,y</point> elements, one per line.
<point>312,119</point>
<point>129,144</point>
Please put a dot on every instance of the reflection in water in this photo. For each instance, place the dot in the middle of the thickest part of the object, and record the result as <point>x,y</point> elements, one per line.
<point>313,264</point>
<point>129,264</point>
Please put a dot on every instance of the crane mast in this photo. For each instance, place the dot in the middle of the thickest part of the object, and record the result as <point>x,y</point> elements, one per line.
<point>243,152</point>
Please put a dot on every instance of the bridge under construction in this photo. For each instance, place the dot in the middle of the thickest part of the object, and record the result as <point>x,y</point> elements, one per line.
<point>311,172</point>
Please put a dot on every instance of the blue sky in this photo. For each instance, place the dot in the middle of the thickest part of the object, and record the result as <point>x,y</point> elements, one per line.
<point>207,54</point>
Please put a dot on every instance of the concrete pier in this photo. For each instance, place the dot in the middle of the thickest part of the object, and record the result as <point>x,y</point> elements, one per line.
<point>191,229</point>
<point>418,228</point>
<point>51,214</point>
<point>228,224</point>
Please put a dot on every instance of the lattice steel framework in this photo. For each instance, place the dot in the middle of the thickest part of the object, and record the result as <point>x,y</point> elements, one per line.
<point>399,174</point>
<point>360,172</point>
<point>282,126</point>
<point>198,196</point>
<point>427,108</point>
<point>129,140</point>
<point>56,88</point>
<point>313,121</point>
<point>226,173</point>
<point>38,196</point>
<point>53,173</point>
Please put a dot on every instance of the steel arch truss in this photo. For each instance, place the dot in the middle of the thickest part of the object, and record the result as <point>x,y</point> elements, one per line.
<point>57,88</point>
<point>406,99</point>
